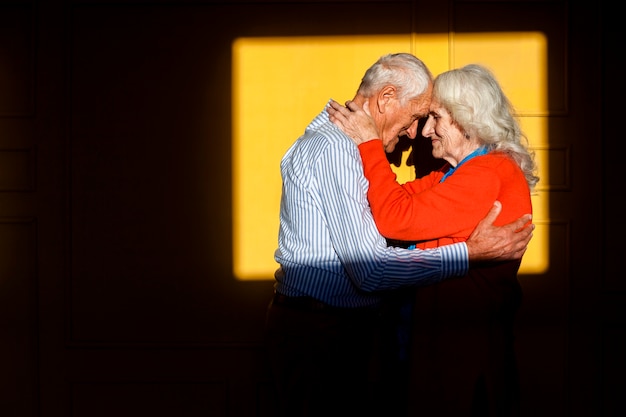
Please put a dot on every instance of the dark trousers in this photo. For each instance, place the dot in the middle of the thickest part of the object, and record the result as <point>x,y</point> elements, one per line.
<point>322,359</point>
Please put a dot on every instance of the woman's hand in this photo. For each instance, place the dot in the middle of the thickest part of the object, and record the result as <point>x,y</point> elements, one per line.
<point>355,121</point>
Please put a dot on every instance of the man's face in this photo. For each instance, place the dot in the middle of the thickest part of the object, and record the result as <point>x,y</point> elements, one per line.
<point>403,120</point>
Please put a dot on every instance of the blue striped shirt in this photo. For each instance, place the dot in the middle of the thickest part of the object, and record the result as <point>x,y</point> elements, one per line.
<point>328,245</point>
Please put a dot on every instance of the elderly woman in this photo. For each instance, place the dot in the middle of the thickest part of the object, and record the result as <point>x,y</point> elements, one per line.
<point>462,359</point>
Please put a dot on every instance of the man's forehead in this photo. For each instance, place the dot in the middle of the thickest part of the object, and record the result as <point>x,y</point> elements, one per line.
<point>420,105</point>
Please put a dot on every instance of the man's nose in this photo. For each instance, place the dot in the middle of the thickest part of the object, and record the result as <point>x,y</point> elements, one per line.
<point>411,132</point>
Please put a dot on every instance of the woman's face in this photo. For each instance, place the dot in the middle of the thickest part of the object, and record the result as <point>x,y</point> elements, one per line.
<point>448,140</point>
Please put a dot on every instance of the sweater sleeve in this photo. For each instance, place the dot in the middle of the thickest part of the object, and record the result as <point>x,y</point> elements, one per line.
<point>425,209</point>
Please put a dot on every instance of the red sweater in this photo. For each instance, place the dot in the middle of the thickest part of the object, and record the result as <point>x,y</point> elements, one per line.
<point>461,329</point>
<point>425,209</point>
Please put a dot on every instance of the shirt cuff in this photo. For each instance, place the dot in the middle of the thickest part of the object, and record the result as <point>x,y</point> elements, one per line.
<point>454,260</point>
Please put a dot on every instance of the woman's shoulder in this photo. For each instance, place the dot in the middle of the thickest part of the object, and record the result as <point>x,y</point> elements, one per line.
<point>495,159</point>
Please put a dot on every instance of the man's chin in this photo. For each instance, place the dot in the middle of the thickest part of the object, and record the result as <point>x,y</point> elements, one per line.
<point>390,147</point>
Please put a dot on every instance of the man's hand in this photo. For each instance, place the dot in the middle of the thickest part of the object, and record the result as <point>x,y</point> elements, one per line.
<point>492,243</point>
<point>355,121</point>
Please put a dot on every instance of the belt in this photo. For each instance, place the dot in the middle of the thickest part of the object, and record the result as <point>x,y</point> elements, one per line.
<point>312,304</point>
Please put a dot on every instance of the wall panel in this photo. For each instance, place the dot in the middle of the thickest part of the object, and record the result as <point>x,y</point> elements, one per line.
<point>18,317</point>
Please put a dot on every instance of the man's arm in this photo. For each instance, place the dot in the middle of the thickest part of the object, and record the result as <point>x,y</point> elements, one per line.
<point>492,243</point>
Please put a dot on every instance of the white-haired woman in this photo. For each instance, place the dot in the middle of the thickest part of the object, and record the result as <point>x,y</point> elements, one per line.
<point>462,358</point>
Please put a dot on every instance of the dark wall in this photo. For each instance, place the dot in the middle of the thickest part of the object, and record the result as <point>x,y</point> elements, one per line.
<point>116,289</point>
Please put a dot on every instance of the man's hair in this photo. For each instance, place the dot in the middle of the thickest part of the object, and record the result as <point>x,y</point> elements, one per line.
<point>404,71</point>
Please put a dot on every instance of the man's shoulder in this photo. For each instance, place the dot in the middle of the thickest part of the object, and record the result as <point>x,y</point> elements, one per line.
<point>323,140</point>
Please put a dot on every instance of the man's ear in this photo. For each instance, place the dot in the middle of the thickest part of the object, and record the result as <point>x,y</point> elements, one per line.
<point>384,97</point>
